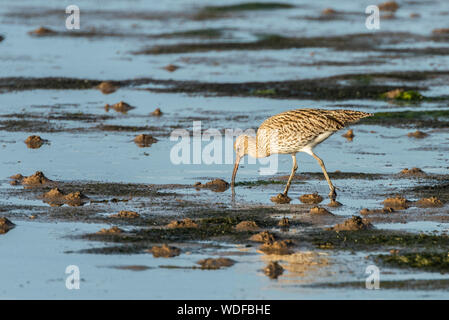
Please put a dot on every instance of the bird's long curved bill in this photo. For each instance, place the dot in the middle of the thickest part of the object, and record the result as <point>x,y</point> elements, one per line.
<point>234,172</point>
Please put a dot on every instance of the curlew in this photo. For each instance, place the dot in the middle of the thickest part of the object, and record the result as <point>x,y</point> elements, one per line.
<point>291,132</point>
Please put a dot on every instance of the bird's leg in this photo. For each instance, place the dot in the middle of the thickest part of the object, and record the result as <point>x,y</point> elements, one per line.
<point>332,194</point>
<point>282,197</point>
<point>292,174</point>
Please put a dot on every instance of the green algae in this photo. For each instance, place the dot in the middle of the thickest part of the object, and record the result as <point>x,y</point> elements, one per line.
<point>428,261</point>
<point>409,95</point>
<point>377,239</point>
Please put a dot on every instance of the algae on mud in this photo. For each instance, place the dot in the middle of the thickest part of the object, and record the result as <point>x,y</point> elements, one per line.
<point>400,94</point>
<point>331,87</point>
<point>354,42</point>
<point>377,240</point>
<point>429,261</point>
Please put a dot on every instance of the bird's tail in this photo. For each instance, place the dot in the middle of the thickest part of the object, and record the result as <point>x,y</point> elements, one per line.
<point>349,116</point>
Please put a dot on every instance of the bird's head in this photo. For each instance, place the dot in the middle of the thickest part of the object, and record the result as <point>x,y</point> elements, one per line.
<point>244,144</point>
<point>241,145</point>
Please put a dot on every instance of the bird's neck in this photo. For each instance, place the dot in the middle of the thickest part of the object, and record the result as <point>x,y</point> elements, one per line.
<point>257,148</point>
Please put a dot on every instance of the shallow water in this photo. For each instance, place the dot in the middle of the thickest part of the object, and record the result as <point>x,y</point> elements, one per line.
<point>23,55</point>
<point>100,155</point>
<point>39,257</point>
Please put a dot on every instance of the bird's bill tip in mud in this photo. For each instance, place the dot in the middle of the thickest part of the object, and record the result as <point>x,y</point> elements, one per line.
<point>234,172</point>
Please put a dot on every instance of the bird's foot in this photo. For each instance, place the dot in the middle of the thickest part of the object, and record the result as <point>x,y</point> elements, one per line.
<point>333,195</point>
<point>333,202</point>
<point>281,198</point>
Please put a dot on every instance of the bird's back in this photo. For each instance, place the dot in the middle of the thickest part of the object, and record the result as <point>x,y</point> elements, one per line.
<point>299,128</point>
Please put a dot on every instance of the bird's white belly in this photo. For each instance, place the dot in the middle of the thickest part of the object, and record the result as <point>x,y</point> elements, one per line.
<point>295,144</point>
<point>308,148</point>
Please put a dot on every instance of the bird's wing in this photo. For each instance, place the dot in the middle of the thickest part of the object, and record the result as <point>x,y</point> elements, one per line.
<point>302,124</point>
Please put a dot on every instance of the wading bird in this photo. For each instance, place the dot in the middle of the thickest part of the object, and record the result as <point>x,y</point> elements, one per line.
<point>291,132</point>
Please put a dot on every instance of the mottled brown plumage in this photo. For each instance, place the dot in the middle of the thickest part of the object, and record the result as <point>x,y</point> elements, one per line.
<point>295,131</point>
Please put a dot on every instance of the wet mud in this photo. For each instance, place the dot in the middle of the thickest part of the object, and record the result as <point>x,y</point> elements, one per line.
<point>281,199</point>
<point>157,112</point>
<point>417,134</point>
<point>413,172</point>
<point>144,140</point>
<point>37,179</point>
<point>215,263</point>
<point>366,211</point>
<point>279,247</point>
<point>185,223</point>
<point>35,142</point>
<point>313,198</point>
<point>247,226</point>
<point>264,237</point>
<point>56,197</point>
<point>107,87</point>
<point>165,251</point>
<point>353,224</point>
<point>121,106</point>
<point>397,203</point>
<point>273,270</point>
<point>320,211</point>
<point>5,225</point>
<point>216,185</point>
<point>123,214</point>
<point>429,202</point>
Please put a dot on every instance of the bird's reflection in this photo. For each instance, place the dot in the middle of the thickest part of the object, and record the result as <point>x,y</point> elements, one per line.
<point>301,266</point>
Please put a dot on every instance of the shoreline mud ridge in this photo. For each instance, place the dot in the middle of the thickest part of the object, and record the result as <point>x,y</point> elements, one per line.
<point>358,42</point>
<point>340,87</point>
